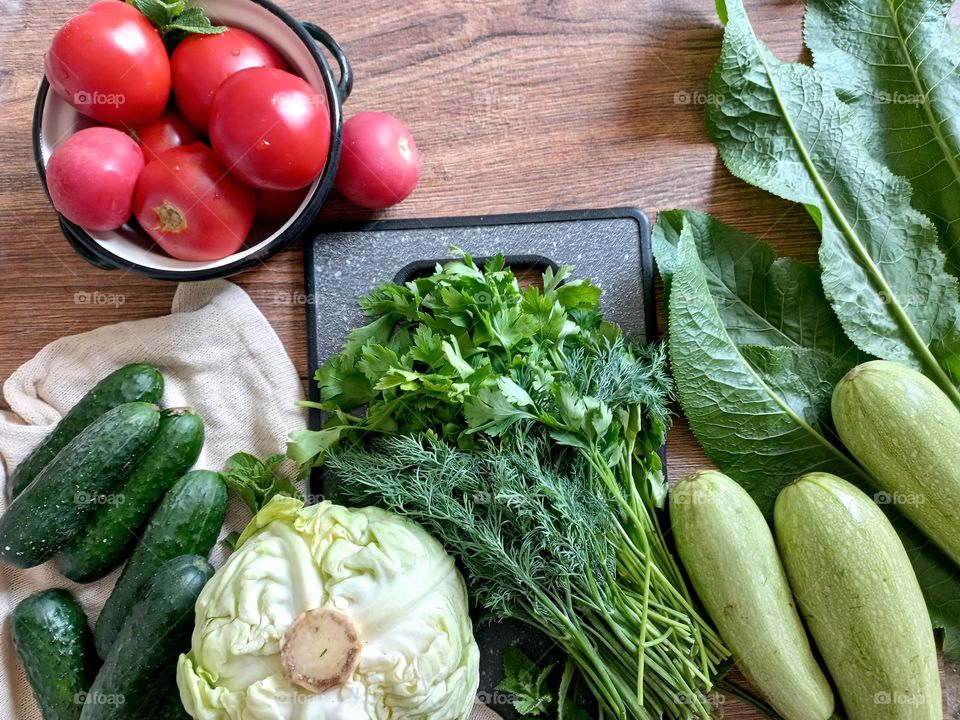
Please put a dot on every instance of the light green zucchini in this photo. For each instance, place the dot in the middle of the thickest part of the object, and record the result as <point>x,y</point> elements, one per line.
<point>728,551</point>
<point>906,432</point>
<point>860,598</point>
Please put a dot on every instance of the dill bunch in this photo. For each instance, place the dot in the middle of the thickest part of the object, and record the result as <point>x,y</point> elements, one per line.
<point>537,542</point>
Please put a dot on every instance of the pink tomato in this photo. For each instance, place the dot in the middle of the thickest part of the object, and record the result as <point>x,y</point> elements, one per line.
<point>195,210</point>
<point>201,63</point>
<point>111,65</point>
<point>271,128</point>
<point>380,164</point>
<point>92,175</point>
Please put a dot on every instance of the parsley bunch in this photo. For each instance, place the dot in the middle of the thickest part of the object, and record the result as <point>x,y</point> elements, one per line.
<point>466,351</point>
<point>523,431</point>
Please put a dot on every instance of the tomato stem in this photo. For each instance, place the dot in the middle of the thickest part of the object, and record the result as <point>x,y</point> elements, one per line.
<point>172,220</point>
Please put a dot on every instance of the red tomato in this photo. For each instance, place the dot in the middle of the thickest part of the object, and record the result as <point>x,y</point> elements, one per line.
<point>278,205</point>
<point>380,164</point>
<point>201,63</point>
<point>270,128</point>
<point>168,131</point>
<point>188,202</point>
<point>92,175</point>
<point>111,65</point>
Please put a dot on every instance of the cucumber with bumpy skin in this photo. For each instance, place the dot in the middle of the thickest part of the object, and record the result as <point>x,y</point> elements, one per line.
<point>860,598</point>
<point>141,666</point>
<point>57,505</point>
<point>104,542</point>
<point>729,553</point>
<point>137,382</point>
<point>53,641</point>
<point>187,522</point>
<point>906,432</point>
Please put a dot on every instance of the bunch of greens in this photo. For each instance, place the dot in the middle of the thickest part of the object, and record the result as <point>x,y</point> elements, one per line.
<point>758,343</point>
<point>523,431</point>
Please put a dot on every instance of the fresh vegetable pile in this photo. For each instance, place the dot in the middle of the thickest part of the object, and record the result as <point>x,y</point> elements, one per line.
<point>205,130</point>
<point>518,429</point>
<point>731,557</point>
<point>523,431</point>
<point>109,484</point>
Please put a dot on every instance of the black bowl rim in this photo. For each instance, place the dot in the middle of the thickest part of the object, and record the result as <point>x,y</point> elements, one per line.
<point>79,236</point>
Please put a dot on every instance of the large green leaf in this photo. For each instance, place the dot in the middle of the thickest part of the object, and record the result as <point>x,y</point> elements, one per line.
<point>763,412</point>
<point>895,62</point>
<point>781,127</point>
<point>762,299</point>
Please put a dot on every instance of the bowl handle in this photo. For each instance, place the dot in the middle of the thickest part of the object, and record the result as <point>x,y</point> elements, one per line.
<point>346,74</point>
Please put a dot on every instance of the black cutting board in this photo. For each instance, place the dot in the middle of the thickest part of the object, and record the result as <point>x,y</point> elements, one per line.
<point>611,247</point>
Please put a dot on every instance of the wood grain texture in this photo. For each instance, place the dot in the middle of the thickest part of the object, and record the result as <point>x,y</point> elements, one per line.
<point>519,105</point>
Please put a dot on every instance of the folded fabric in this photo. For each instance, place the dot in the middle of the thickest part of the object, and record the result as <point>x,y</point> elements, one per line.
<point>218,355</point>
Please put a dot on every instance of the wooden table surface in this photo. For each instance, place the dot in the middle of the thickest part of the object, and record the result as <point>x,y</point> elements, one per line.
<point>516,106</point>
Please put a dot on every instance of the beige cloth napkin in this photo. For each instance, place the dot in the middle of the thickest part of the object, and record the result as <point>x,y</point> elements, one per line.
<point>482,712</point>
<point>218,354</point>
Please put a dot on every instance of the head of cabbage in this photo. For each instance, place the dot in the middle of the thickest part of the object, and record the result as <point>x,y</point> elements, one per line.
<point>393,583</point>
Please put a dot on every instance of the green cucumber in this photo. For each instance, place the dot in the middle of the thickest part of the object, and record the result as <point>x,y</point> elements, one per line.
<point>140,670</point>
<point>132,383</point>
<point>729,553</point>
<point>906,432</point>
<point>187,522</point>
<point>861,599</point>
<point>53,641</point>
<point>61,500</point>
<point>107,539</point>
